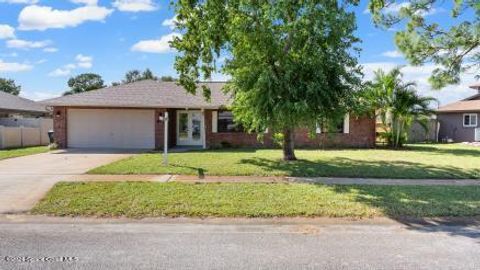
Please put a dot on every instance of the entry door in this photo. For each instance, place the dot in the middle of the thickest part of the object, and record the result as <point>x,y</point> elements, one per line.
<point>189,128</point>
<point>477,134</point>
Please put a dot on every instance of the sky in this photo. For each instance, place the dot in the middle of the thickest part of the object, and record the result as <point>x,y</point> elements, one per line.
<point>45,42</point>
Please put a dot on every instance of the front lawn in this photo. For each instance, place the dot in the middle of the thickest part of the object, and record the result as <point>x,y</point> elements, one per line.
<point>18,152</point>
<point>416,161</point>
<point>148,199</point>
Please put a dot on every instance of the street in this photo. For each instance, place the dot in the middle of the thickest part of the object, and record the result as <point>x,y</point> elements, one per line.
<point>186,245</point>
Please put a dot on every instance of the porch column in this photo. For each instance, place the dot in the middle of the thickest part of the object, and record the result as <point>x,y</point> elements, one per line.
<point>159,129</point>
<point>204,134</point>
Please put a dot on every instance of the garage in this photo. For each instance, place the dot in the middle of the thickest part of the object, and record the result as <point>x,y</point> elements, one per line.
<point>111,128</point>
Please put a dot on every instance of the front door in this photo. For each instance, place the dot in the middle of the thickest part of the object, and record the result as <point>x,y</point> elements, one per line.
<point>477,134</point>
<point>189,128</point>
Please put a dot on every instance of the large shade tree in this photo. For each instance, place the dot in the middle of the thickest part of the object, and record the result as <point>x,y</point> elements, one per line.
<point>291,63</point>
<point>9,86</point>
<point>84,82</point>
<point>454,47</point>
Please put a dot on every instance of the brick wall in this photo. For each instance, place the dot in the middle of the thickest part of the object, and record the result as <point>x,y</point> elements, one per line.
<point>362,134</point>
<point>60,126</point>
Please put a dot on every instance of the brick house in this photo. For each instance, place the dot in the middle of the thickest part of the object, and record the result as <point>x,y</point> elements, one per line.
<point>130,116</point>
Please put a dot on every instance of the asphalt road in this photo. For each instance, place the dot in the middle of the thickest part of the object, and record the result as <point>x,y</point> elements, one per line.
<point>247,246</point>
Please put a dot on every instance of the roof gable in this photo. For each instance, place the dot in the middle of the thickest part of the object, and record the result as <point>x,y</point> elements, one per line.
<point>16,103</point>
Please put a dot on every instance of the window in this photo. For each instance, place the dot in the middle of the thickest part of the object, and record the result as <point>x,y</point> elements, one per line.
<point>226,124</point>
<point>470,120</point>
<point>336,126</point>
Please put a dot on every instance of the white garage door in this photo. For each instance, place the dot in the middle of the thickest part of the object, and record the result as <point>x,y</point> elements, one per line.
<point>97,128</point>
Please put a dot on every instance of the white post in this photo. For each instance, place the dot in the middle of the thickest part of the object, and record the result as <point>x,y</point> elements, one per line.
<point>165,139</point>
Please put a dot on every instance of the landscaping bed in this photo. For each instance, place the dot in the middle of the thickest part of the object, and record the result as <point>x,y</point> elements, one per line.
<point>440,161</point>
<point>149,199</point>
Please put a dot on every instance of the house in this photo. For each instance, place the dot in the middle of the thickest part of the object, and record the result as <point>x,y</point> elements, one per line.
<point>12,106</point>
<point>130,116</point>
<point>459,120</point>
<point>23,122</point>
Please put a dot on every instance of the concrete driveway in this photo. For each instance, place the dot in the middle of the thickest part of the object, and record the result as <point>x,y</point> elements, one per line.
<point>24,180</point>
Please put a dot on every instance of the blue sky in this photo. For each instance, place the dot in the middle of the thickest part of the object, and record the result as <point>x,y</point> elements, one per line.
<point>43,43</point>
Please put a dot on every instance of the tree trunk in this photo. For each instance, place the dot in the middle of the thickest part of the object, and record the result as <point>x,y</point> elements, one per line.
<point>288,144</point>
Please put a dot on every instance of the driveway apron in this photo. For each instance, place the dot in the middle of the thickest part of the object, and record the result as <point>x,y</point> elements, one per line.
<point>25,180</point>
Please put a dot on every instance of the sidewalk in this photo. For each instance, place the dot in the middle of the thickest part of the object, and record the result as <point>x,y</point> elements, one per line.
<point>279,179</point>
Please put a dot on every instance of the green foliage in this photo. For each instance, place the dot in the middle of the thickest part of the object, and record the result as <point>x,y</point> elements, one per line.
<point>84,82</point>
<point>9,86</point>
<point>167,79</point>
<point>290,62</point>
<point>397,104</point>
<point>136,75</point>
<point>454,48</point>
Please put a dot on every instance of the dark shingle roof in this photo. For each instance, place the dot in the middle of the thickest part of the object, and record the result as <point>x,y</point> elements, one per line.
<point>145,94</point>
<point>16,103</point>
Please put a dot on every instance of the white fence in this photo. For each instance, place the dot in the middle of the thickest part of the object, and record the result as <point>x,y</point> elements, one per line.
<point>24,132</point>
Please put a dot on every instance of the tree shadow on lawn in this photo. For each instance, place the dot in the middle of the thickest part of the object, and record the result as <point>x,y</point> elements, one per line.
<point>421,208</point>
<point>345,167</point>
<point>200,171</point>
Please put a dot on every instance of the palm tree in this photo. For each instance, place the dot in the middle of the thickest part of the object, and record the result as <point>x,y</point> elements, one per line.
<point>397,104</point>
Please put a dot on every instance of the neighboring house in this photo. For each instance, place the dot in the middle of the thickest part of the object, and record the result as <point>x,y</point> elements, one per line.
<point>130,116</point>
<point>12,106</point>
<point>459,120</point>
<point>23,122</point>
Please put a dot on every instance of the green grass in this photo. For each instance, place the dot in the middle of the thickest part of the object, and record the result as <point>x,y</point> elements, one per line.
<point>416,161</point>
<point>18,152</point>
<point>147,199</point>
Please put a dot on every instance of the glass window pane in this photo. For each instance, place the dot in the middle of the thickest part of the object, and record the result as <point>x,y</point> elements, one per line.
<point>183,126</point>
<point>196,126</point>
<point>225,122</point>
<point>473,120</point>
<point>466,120</point>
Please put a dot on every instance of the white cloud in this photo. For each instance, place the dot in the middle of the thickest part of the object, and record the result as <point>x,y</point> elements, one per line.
<point>170,22</point>
<point>420,75</point>
<point>60,72</point>
<point>81,61</point>
<point>392,54</point>
<point>38,95</point>
<point>135,5</point>
<point>396,7</point>
<point>14,67</point>
<point>50,50</point>
<point>28,2</point>
<point>83,58</point>
<point>160,45</point>
<point>42,17</point>
<point>6,31</point>
<point>85,2</point>
<point>84,61</point>
<point>26,44</point>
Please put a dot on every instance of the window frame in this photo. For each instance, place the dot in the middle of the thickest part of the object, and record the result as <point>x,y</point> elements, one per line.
<point>470,125</point>
<point>219,130</point>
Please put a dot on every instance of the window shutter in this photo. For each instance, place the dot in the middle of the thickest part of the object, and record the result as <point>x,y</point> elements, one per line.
<point>214,121</point>
<point>346,124</point>
<point>318,130</point>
